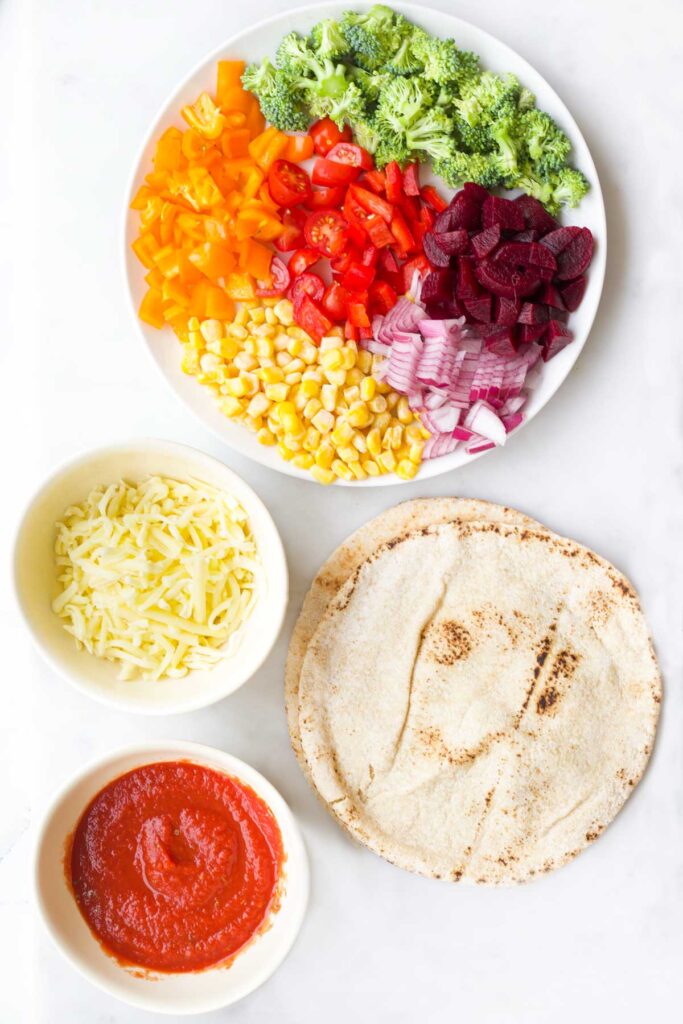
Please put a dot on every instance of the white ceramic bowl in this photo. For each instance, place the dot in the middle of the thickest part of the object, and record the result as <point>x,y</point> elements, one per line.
<point>188,993</point>
<point>36,586</point>
<point>261,40</point>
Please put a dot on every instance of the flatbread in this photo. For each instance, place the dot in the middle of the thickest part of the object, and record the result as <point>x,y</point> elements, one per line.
<point>479,700</point>
<point>409,515</point>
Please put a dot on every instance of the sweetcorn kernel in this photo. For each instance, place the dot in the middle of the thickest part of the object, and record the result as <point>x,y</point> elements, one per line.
<point>324,456</point>
<point>342,433</point>
<point>374,441</point>
<point>304,460</point>
<point>310,388</point>
<point>359,415</point>
<point>330,341</point>
<point>341,470</point>
<point>415,452</point>
<point>277,392</point>
<point>403,411</point>
<point>332,359</point>
<point>358,471</point>
<point>322,475</point>
<point>231,406</point>
<point>387,460</point>
<point>368,387</point>
<point>378,403</point>
<point>265,436</point>
<point>370,467</point>
<point>323,421</point>
<point>258,406</point>
<point>406,469</point>
<point>328,396</point>
<point>257,315</point>
<point>284,311</point>
<point>285,452</point>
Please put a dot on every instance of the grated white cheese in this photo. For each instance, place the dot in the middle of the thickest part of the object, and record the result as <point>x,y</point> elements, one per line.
<point>157,575</point>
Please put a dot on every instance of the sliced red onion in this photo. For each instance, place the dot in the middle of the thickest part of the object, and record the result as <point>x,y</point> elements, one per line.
<point>483,420</point>
<point>439,444</point>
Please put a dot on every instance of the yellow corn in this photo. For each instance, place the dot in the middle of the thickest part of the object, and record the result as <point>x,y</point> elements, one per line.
<point>322,475</point>
<point>406,469</point>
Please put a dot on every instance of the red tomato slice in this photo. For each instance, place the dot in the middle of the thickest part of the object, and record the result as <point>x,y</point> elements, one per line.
<point>351,154</point>
<point>325,198</point>
<point>326,232</point>
<point>328,172</point>
<point>370,256</point>
<point>335,301</point>
<point>288,184</point>
<point>302,259</point>
<point>372,203</point>
<point>325,135</point>
<point>280,280</point>
<point>312,319</point>
<point>293,236</point>
<point>307,284</point>
<point>418,263</point>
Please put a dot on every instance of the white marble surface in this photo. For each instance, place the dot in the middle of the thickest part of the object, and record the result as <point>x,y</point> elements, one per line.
<point>601,939</point>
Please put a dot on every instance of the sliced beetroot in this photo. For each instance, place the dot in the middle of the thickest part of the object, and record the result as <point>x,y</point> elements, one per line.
<point>530,235</point>
<point>504,342</point>
<point>505,311</point>
<point>479,309</point>
<point>558,240</point>
<point>434,253</point>
<point>575,259</point>
<point>439,286</point>
<point>556,338</point>
<point>448,310</point>
<point>535,214</point>
<point>474,191</point>
<point>530,332</point>
<point>504,212</point>
<point>572,293</point>
<point>455,243</point>
<point>467,286</point>
<point>507,280</point>
<point>533,313</point>
<point>486,241</point>
<point>465,212</point>
<point>526,254</point>
<point>550,294</point>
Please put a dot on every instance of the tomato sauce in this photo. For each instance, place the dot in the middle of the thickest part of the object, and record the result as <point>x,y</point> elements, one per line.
<point>175,866</point>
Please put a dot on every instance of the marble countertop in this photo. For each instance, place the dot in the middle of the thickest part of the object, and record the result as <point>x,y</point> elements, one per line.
<point>603,937</point>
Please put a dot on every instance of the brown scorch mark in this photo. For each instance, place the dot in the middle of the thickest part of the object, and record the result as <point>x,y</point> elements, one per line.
<point>448,642</point>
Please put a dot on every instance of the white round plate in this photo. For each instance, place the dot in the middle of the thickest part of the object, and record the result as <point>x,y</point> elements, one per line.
<point>261,40</point>
<point>35,579</point>
<point>194,992</point>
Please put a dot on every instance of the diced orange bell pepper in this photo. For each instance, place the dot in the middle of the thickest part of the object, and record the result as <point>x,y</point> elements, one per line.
<point>267,147</point>
<point>157,180</point>
<point>145,248</point>
<point>152,309</point>
<point>235,98</point>
<point>235,119</point>
<point>235,142</point>
<point>252,183</point>
<point>155,279</point>
<point>255,259</point>
<point>213,260</point>
<point>205,117</point>
<point>266,198</point>
<point>139,201</point>
<point>256,122</point>
<point>240,287</point>
<point>198,298</point>
<point>219,306</point>
<point>166,259</point>
<point>187,273</point>
<point>173,291</point>
<point>177,318</point>
<point>204,188</point>
<point>194,145</point>
<point>151,212</point>
<point>299,147</point>
<point>228,76</point>
<point>168,155</point>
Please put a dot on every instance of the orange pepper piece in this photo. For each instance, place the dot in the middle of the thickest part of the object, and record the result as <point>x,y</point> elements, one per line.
<point>168,155</point>
<point>228,76</point>
<point>205,117</point>
<point>151,309</point>
<point>235,142</point>
<point>234,99</point>
<point>213,260</point>
<point>240,286</point>
<point>255,259</point>
<point>145,248</point>
<point>219,306</point>
<point>299,147</point>
<point>256,122</point>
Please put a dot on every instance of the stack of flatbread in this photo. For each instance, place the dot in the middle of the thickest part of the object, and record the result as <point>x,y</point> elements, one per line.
<point>472,696</point>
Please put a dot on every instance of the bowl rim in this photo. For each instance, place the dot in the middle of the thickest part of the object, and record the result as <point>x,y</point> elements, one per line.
<point>151,445</point>
<point>209,757</point>
<point>445,463</point>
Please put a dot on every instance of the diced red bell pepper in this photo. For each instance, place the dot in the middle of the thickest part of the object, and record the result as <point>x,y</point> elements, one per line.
<point>379,233</point>
<point>372,203</point>
<point>366,333</point>
<point>374,180</point>
<point>410,208</point>
<point>402,234</point>
<point>369,258</point>
<point>411,180</point>
<point>358,277</point>
<point>351,333</point>
<point>433,199</point>
<point>394,182</point>
<point>356,235</point>
<point>418,263</point>
<point>358,315</point>
<point>388,261</point>
<point>312,319</point>
<point>382,297</point>
<point>427,218</point>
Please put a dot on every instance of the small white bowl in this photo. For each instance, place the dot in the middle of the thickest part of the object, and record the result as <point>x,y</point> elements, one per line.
<point>36,584</point>
<point>188,993</point>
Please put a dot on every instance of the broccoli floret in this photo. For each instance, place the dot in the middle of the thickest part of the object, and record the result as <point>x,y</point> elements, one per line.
<point>474,139</point>
<point>350,106</point>
<point>526,99</point>
<point>482,99</point>
<point>401,102</point>
<point>462,167</point>
<point>535,186</point>
<point>366,134</point>
<point>568,186</point>
<point>294,55</point>
<point>370,83</point>
<point>391,147</point>
<point>279,102</point>
<point>546,144</point>
<point>432,134</point>
<point>328,39</point>
<point>404,61</point>
<point>372,36</point>
<point>325,80</point>
<point>504,134</point>
<point>444,62</point>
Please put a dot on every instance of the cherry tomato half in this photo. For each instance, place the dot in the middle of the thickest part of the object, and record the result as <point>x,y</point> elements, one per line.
<point>289,185</point>
<point>351,154</point>
<point>280,280</point>
<point>326,232</point>
<point>329,172</point>
<point>293,235</point>
<point>302,259</point>
<point>307,284</point>
<point>325,198</point>
<point>335,301</point>
<point>325,135</point>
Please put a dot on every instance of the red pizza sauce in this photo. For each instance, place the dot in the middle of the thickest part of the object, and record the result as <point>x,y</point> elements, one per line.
<point>175,866</point>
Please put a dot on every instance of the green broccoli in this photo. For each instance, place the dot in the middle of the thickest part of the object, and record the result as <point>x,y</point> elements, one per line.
<point>480,98</point>
<point>546,144</point>
<point>370,83</point>
<point>390,148</point>
<point>529,182</point>
<point>569,186</point>
<point>279,102</point>
<point>443,62</point>
<point>372,36</point>
<point>366,134</point>
<point>403,100</point>
<point>504,134</point>
<point>350,106</point>
<point>404,61</point>
<point>328,40</point>
<point>473,139</point>
<point>462,167</point>
<point>294,55</point>
<point>432,134</point>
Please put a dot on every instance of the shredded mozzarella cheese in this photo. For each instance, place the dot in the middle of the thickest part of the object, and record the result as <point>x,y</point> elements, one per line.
<point>157,575</point>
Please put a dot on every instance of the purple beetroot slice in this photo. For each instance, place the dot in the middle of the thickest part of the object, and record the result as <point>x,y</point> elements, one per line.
<point>505,280</point>
<point>533,313</point>
<point>448,310</point>
<point>439,286</point>
<point>558,240</point>
<point>526,254</point>
<point>502,211</point>
<point>531,332</point>
<point>479,309</point>
<point>557,337</point>
<point>454,243</point>
<point>575,259</point>
<point>535,214</point>
<point>465,212</point>
<point>486,241</point>
<point>530,235</point>
<point>572,293</point>
<point>476,192</point>
<point>467,286</point>
<point>505,311</point>
<point>503,342</point>
<point>550,294</point>
<point>434,253</point>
